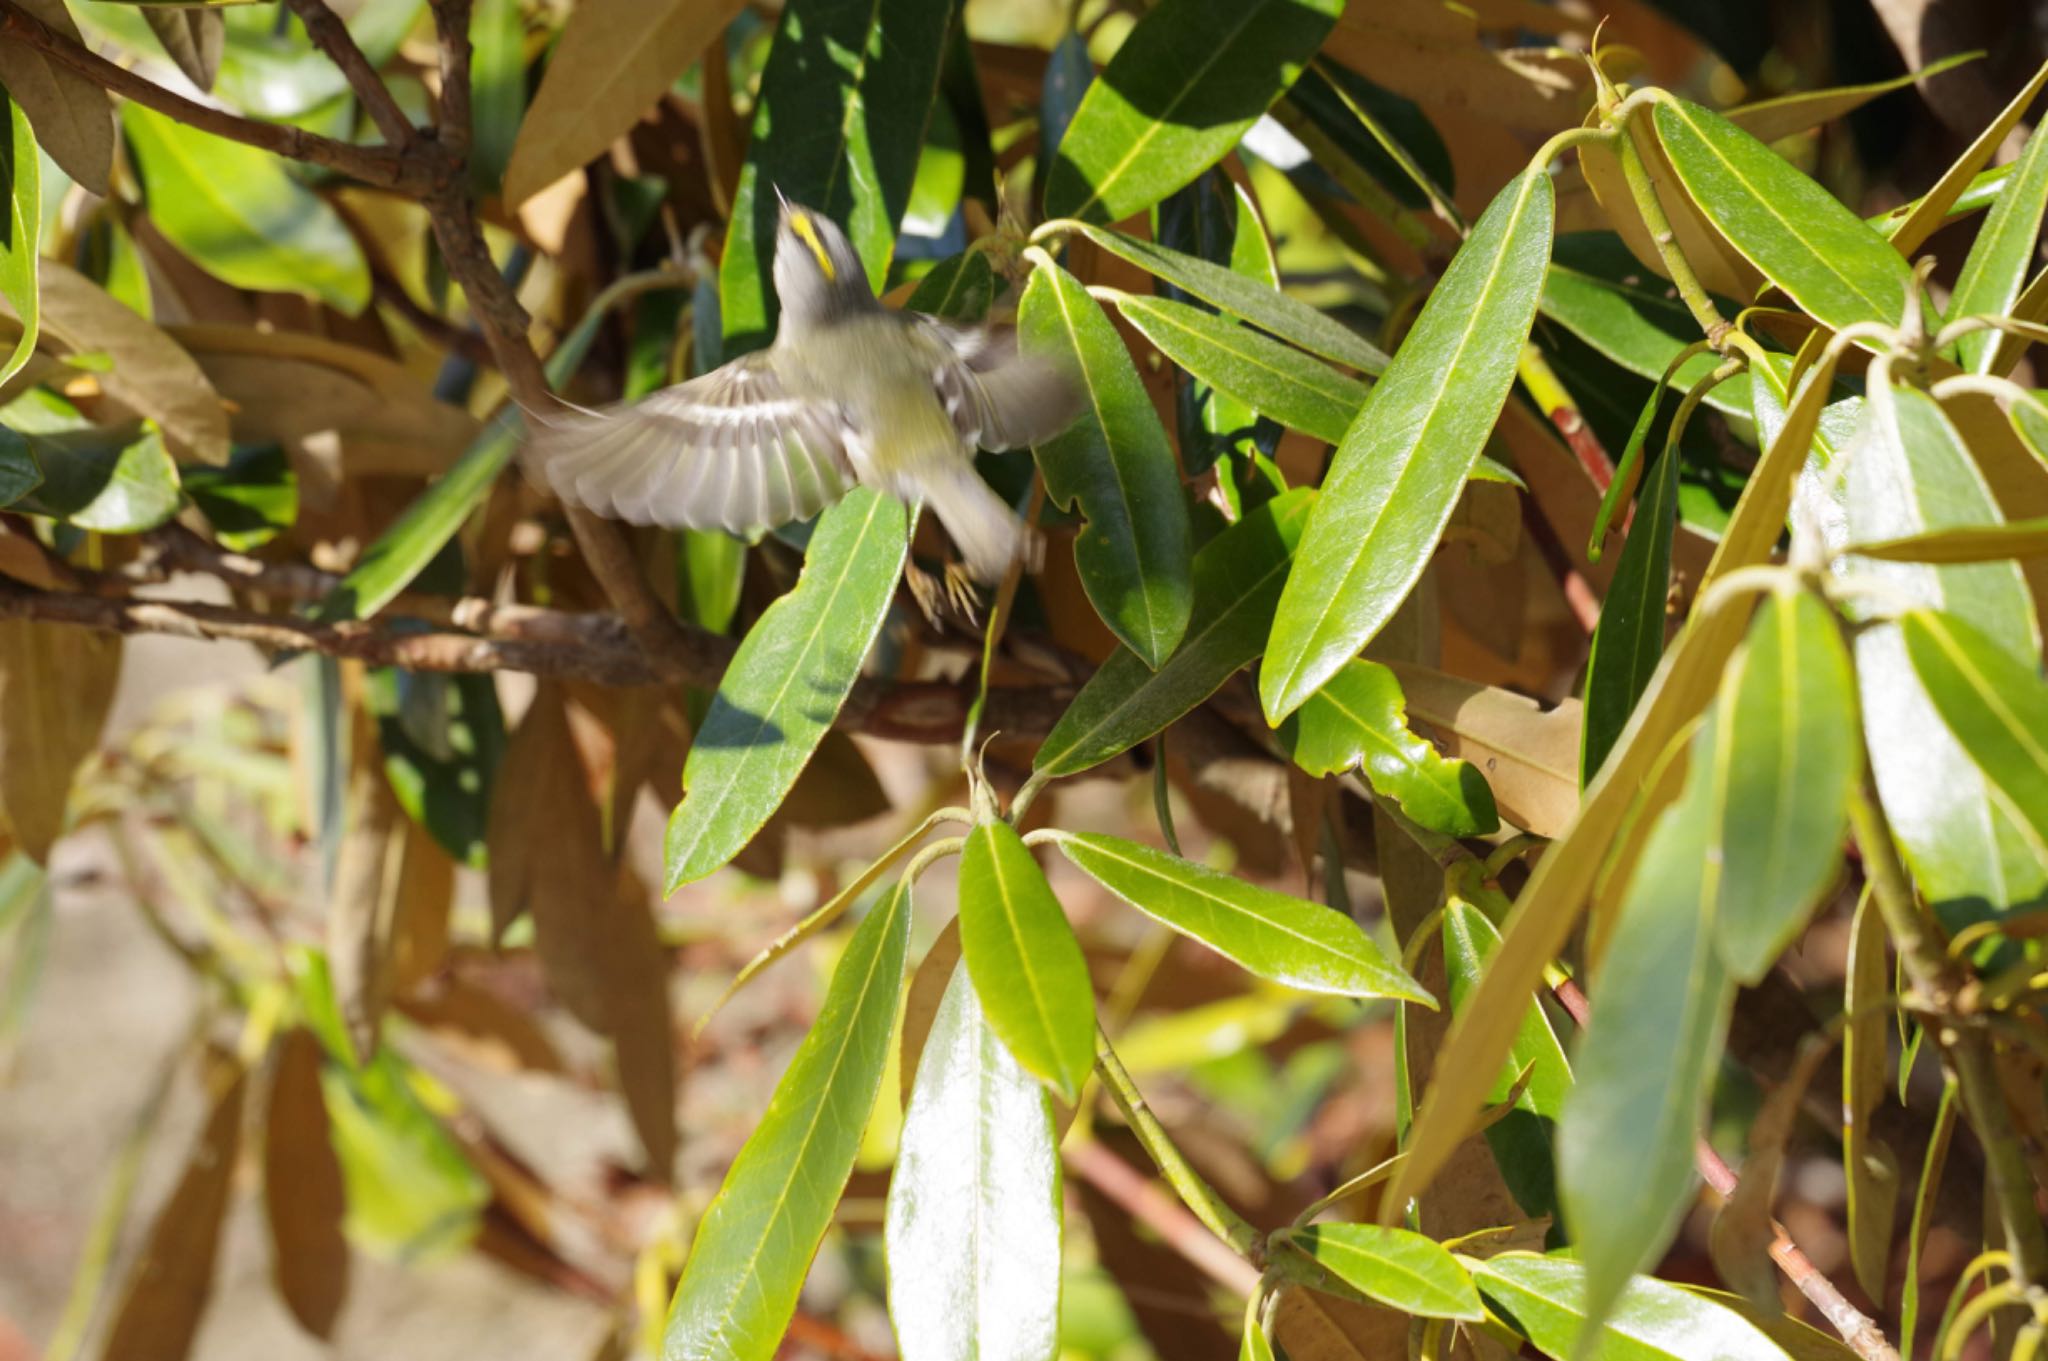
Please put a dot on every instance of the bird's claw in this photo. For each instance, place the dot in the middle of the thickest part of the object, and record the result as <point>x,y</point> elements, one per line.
<point>960,593</point>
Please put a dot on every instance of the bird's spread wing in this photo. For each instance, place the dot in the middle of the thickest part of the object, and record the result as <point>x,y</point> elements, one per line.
<point>999,397</point>
<point>730,450</point>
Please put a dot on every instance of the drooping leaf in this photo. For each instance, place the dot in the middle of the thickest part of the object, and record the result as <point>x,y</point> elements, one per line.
<point>1237,579</point>
<point>1026,965</point>
<point>1407,1270</point>
<point>1115,462</point>
<point>786,683</point>
<point>1629,639</point>
<point>1273,379</point>
<point>73,117</point>
<point>1544,1299</point>
<point>56,683</point>
<point>1178,95</point>
<point>1787,756</point>
<point>194,40</point>
<point>755,1242</point>
<point>1800,236</point>
<point>973,1227</point>
<point>241,217</point>
<point>1285,939</point>
<point>1268,309</point>
<point>1994,704</point>
<point>1869,1166</point>
<point>1358,720</point>
<point>304,1200</point>
<point>21,185</point>
<point>838,126</point>
<point>1396,477</point>
<point>1661,1003</point>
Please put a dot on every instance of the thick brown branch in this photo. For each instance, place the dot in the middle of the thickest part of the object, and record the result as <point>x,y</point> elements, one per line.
<point>387,167</point>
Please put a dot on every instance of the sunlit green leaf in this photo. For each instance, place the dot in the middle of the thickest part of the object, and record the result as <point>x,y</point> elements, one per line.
<point>1287,940</point>
<point>250,501</point>
<point>1993,702</point>
<point>973,1228</point>
<point>21,184</point>
<point>442,738</point>
<point>1026,965</point>
<point>1180,92</point>
<point>118,479</point>
<point>786,683</point>
<point>755,1242</point>
<point>2002,255</point>
<point>1275,380</point>
<point>497,87</point>
<point>1544,1299</point>
<point>1407,1270</point>
<point>1394,480</point>
<point>1135,551</point>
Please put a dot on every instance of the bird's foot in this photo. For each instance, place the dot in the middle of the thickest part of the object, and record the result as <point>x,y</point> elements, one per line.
<point>961,594</point>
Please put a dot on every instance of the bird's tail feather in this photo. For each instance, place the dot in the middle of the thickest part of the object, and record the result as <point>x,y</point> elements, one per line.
<point>987,532</point>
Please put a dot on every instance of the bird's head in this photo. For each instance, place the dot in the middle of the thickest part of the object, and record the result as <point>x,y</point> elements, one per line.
<point>818,274</point>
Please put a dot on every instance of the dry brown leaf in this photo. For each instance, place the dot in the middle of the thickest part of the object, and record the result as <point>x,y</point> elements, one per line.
<point>921,1002</point>
<point>614,60</point>
<point>1315,1327</point>
<point>426,894</point>
<point>490,1031</point>
<point>304,1197</point>
<point>23,559</point>
<point>56,682</point>
<point>288,386</point>
<point>2017,478</point>
<point>168,1287</point>
<point>1430,52</point>
<point>640,1022</point>
<point>547,855</point>
<point>363,907</point>
<point>192,38</point>
<point>147,371</point>
<point>73,118</point>
<point>1529,755</point>
<point>1719,266</point>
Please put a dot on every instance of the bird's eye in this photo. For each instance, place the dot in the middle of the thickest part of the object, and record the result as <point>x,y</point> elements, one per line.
<point>807,232</point>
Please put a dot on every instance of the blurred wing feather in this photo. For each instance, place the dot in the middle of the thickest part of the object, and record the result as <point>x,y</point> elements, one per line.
<point>999,397</point>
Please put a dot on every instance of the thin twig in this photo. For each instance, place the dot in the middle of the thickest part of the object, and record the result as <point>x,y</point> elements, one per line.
<point>332,37</point>
<point>1137,1196</point>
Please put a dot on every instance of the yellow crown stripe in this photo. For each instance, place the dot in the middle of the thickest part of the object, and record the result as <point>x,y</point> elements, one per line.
<point>807,231</point>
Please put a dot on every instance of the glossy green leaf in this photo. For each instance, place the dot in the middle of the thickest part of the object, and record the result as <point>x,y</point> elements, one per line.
<point>1646,1062</point>
<point>442,738</point>
<point>1026,965</point>
<point>1182,89</point>
<point>1597,289</point>
<point>838,127</point>
<point>21,184</point>
<point>1395,479</point>
<point>1796,233</point>
<point>1789,754</point>
<point>973,1226</point>
<point>1358,720</point>
<point>755,1242</point>
<point>786,683</point>
<point>1911,474</point>
<point>959,289</point>
<point>2002,255</point>
<point>1388,136</point>
<point>249,502</point>
<point>1135,553</point>
<point>1287,940</point>
<point>1413,1273</point>
<point>1215,220</point>
<point>117,479</point>
<point>240,215</point>
<point>1521,1140</point>
<point>1275,380</point>
<point>1993,702</point>
<point>1270,310</point>
<point>1628,642</point>
<point>21,472</point>
<point>1237,579</point>
<point>1544,1299</point>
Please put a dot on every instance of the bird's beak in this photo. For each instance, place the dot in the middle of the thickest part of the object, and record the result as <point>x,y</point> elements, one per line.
<point>780,198</point>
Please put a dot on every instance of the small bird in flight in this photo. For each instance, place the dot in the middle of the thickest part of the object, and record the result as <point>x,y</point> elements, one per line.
<point>849,392</point>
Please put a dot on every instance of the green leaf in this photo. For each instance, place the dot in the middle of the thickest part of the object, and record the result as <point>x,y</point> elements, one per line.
<point>251,501</point>
<point>1135,552</point>
<point>786,683</point>
<point>1359,720</point>
<point>1544,1299</point>
<point>1993,702</point>
<point>1796,233</point>
<point>1179,94</point>
<point>959,289</point>
<point>1773,120</point>
<point>20,471</point>
<point>1215,220</point>
<point>755,1242</point>
<point>1787,758</point>
<point>1645,1063</point>
<point>1999,260</point>
<point>1237,579</point>
<point>442,738</point>
<point>21,182</point>
<point>1394,480</point>
<point>973,1227</point>
<point>1275,380</point>
<point>1413,1273</point>
<point>1521,1140</point>
<point>1288,940</point>
<point>838,127</point>
<point>1966,543</point>
<point>1596,289</point>
<point>1270,310</point>
<point>1628,642</point>
<point>116,479</point>
<point>1026,965</point>
<point>497,88</point>
<point>1911,474</point>
<point>241,217</point>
